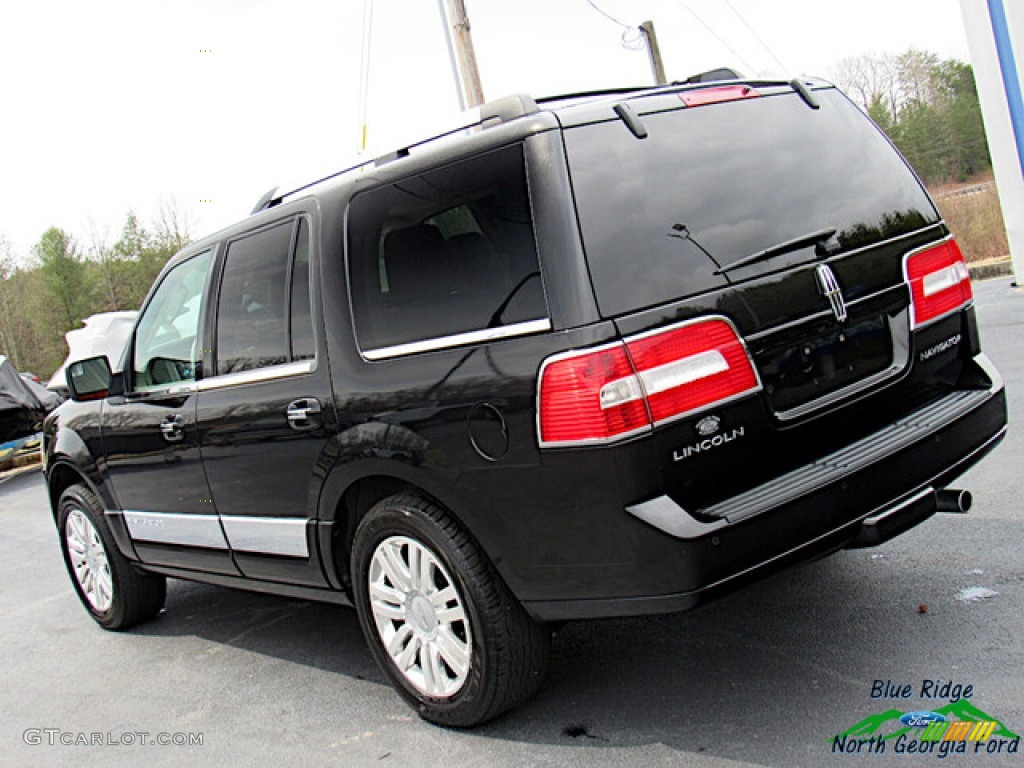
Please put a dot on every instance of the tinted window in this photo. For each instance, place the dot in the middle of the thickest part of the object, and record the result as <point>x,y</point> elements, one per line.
<point>301,319</point>
<point>720,182</point>
<point>447,252</point>
<point>252,329</point>
<point>166,349</point>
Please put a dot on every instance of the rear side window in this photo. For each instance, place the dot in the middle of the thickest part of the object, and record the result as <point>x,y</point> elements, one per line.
<point>263,310</point>
<point>713,184</point>
<point>447,253</point>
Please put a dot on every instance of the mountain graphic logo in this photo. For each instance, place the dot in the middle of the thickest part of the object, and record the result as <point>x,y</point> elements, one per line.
<point>962,710</point>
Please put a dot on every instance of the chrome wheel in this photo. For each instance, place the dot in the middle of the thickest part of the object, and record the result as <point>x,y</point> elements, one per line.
<point>420,616</point>
<point>89,561</point>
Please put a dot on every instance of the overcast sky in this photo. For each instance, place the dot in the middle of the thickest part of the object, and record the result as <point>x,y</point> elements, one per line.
<point>113,105</point>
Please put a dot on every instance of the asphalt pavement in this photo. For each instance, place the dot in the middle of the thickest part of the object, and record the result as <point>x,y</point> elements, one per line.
<point>767,676</point>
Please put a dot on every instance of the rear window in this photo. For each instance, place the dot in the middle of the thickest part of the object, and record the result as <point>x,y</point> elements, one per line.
<point>711,185</point>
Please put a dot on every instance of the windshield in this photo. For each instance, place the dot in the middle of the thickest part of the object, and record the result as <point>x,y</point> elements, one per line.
<point>715,184</point>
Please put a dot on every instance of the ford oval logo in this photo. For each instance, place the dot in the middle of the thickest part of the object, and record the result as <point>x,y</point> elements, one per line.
<point>921,719</point>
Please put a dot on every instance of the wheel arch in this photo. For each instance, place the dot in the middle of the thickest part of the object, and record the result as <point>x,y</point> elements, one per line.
<point>61,475</point>
<point>348,495</point>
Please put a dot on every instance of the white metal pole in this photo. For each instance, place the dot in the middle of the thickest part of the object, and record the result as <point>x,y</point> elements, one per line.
<point>449,37</point>
<point>364,74</point>
<point>995,35</point>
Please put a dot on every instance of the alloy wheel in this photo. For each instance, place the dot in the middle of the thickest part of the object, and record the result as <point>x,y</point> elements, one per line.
<point>89,561</point>
<point>420,616</point>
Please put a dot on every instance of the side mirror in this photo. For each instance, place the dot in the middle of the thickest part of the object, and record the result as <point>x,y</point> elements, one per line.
<point>168,370</point>
<point>89,379</point>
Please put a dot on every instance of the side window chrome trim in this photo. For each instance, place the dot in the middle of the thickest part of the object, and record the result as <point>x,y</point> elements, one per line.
<point>459,340</point>
<point>256,375</point>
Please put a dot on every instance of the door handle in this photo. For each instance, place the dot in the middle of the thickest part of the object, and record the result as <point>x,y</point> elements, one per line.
<point>303,414</point>
<point>173,429</point>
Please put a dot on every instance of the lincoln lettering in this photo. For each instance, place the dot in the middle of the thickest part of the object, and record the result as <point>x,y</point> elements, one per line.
<point>707,444</point>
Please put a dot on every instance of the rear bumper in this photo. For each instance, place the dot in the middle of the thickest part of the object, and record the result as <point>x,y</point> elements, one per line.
<point>891,475</point>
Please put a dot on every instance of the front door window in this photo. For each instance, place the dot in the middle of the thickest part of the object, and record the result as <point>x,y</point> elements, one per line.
<point>166,348</point>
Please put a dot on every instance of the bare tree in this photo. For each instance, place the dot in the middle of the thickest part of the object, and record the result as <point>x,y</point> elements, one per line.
<point>8,337</point>
<point>871,80</point>
<point>174,224</point>
<point>916,76</point>
<point>99,250</point>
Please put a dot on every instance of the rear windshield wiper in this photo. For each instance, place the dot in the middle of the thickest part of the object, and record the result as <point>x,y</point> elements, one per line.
<point>818,238</point>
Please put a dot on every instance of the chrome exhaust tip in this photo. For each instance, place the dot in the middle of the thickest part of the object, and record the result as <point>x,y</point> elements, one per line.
<point>952,500</point>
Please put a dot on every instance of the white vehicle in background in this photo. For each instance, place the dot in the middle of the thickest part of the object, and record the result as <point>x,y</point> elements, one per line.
<point>105,333</point>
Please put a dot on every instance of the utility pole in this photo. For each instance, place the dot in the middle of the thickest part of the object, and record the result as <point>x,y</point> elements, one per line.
<point>460,48</point>
<point>654,52</point>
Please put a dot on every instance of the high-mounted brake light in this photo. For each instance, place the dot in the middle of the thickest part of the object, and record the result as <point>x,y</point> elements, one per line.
<point>940,282</point>
<point>717,95</point>
<point>626,388</point>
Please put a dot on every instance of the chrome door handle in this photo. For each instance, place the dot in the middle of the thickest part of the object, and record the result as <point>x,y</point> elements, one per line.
<point>304,414</point>
<point>173,429</point>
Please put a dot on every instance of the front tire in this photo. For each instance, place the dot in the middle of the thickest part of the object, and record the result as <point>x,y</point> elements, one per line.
<point>116,594</point>
<point>443,627</point>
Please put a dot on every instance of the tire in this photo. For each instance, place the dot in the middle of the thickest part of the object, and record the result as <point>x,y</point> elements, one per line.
<point>114,592</point>
<point>462,649</point>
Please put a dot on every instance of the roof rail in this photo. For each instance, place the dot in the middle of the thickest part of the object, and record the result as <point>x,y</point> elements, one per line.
<point>266,201</point>
<point>713,75</point>
<point>507,108</point>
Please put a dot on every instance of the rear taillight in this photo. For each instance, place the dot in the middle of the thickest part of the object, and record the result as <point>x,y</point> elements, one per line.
<point>687,368</point>
<point>585,398</point>
<point>623,389</point>
<point>940,282</point>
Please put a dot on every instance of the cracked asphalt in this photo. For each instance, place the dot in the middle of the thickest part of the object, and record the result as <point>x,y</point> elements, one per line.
<point>767,676</point>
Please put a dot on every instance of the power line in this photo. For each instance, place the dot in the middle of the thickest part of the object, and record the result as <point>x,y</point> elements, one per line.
<point>608,16</point>
<point>718,37</point>
<point>756,36</point>
<point>633,37</point>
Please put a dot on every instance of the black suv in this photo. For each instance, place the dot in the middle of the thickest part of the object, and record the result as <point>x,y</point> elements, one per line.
<point>599,356</point>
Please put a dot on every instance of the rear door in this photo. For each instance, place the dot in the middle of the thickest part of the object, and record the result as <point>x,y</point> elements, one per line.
<point>265,411</point>
<point>790,218</point>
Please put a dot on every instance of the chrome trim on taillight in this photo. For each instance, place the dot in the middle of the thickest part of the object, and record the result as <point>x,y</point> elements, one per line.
<point>914,325</point>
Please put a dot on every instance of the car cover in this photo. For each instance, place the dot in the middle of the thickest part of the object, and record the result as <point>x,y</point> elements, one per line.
<point>105,333</point>
<point>23,403</point>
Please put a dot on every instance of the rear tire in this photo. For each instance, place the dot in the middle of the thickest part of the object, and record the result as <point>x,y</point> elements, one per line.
<point>116,593</point>
<point>440,622</point>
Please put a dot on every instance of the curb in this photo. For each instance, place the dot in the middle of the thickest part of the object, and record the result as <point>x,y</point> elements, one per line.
<point>991,269</point>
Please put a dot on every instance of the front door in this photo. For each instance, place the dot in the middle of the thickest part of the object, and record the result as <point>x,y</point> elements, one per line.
<point>150,437</point>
